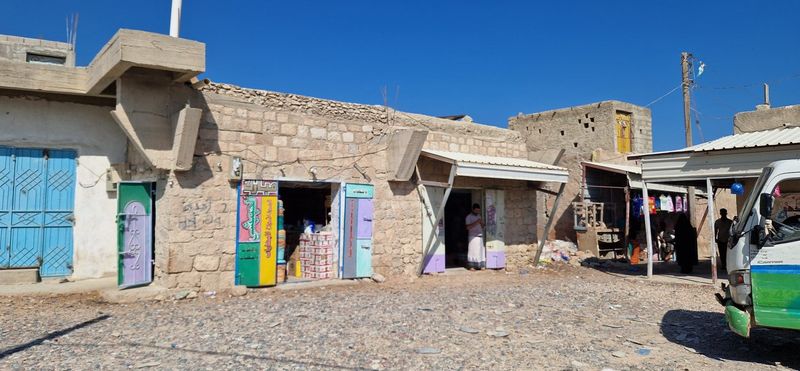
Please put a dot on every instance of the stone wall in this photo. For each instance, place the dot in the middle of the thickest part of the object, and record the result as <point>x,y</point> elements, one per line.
<point>583,132</point>
<point>765,118</point>
<point>284,136</point>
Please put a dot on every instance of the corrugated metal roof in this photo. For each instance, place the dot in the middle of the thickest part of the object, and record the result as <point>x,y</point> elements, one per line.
<point>766,138</point>
<point>756,139</point>
<point>460,157</point>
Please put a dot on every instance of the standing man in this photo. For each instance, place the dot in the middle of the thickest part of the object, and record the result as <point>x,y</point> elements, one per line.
<point>722,233</point>
<point>476,253</point>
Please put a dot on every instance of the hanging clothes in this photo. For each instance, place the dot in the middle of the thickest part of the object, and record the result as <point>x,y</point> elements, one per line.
<point>651,205</point>
<point>658,203</point>
<point>636,207</point>
<point>678,204</point>
<point>666,203</point>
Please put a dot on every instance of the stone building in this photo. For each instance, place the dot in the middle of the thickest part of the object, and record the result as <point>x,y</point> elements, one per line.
<point>606,131</point>
<point>138,169</point>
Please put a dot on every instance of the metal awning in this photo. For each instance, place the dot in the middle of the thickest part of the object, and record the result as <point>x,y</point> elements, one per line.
<point>732,157</point>
<point>478,166</point>
<point>634,175</point>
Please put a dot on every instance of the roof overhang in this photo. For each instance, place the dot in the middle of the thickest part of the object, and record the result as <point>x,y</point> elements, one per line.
<point>634,175</point>
<point>689,168</point>
<point>469,165</point>
<point>126,49</point>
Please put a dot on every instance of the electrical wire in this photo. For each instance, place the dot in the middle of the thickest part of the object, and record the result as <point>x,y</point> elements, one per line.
<point>665,95</point>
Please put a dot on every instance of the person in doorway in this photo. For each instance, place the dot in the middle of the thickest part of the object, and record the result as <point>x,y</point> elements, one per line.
<point>722,233</point>
<point>685,244</point>
<point>476,252</point>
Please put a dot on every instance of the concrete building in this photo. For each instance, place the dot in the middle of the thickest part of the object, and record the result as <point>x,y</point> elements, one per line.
<point>607,131</point>
<point>23,49</point>
<point>131,166</point>
<point>766,118</point>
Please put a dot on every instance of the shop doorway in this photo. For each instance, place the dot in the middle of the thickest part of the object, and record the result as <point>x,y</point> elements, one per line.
<point>459,204</point>
<point>306,206</point>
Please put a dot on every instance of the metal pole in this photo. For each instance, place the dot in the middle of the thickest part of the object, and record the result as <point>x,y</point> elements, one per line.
<point>175,18</point>
<point>547,226</point>
<point>710,221</point>
<point>648,232</point>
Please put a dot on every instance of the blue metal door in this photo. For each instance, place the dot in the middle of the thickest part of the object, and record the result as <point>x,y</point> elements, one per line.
<point>36,203</point>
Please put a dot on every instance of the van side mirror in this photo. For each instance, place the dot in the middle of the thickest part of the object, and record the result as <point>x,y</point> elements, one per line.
<point>765,205</point>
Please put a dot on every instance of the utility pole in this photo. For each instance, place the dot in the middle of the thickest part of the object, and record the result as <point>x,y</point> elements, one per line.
<point>686,82</point>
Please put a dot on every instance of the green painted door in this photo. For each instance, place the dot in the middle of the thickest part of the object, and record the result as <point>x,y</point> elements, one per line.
<point>135,236</point>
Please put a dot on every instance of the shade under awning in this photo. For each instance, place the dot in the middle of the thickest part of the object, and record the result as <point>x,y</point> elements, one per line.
<point>471,165</point>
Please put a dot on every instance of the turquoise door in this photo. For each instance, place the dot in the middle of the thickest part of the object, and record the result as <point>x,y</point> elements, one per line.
<point>357,252</point>
<point>37,188</point>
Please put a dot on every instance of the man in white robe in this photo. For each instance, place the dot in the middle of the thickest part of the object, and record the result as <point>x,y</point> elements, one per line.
<point>476,253</point>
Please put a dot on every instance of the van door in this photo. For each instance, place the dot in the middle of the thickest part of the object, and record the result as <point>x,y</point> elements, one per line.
<point>775,271</point>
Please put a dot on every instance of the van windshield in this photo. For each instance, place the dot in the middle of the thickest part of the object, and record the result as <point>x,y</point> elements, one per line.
<point>745,212</point>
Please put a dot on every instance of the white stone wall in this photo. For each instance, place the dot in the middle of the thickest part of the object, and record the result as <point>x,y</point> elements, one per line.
<point>88,129</point>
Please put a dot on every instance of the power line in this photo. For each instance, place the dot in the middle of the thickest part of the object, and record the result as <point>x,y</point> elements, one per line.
<point>665,95</point>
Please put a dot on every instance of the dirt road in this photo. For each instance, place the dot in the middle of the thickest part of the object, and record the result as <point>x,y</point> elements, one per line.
<point>564,318</point>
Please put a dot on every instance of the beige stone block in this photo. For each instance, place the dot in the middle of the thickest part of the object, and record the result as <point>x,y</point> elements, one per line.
<point>269,115</point>
<point>189,279</point>
<point>319,133</point>
<point>227,262</point>
<point>289,129</point>
<point>258,115</point>
<point>226,280</point>
<point>302,131</point>
<point>286,155</point>
<point>206,263</point>
<point>271,153</point>
<point>282,117</point>
<point>255,126</point>
<point>298,143</point>
<point>247,138</point>
<point>179,263</point>
<point>348,137</point>
<point>366,128</point>
<point>228,110</point>
<point>280,141</point>
<point>228,136</point>
<point>334,136</point>
<point>209,281</point>
<point>241,112</point>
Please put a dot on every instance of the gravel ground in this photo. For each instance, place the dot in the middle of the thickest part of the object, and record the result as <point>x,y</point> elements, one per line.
<point>556,318</point>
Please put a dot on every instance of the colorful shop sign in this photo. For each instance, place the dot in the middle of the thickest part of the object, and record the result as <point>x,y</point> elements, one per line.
<point>257,233</point>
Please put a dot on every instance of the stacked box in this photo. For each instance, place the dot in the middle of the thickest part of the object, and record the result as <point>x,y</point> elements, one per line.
<point>316,255</point>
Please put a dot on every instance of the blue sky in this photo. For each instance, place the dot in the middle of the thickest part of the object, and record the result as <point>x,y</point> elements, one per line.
<point>488,59</point>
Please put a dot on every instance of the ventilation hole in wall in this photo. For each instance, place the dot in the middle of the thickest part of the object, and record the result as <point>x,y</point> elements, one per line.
<point>579,121</point>
<point>540,131</point>
<point>575,144</point>
<point>591,119</point>
<point>587,115</point>
<point>586,125</point>
<point>592,128</point>
<point>640,131</point>
<point>562,132</point>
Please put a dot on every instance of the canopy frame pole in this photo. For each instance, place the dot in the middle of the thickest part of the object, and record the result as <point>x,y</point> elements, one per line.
<point>439,215</point>
<point>547,226</point>
<point>648,232</point>
<point>713,240</point>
